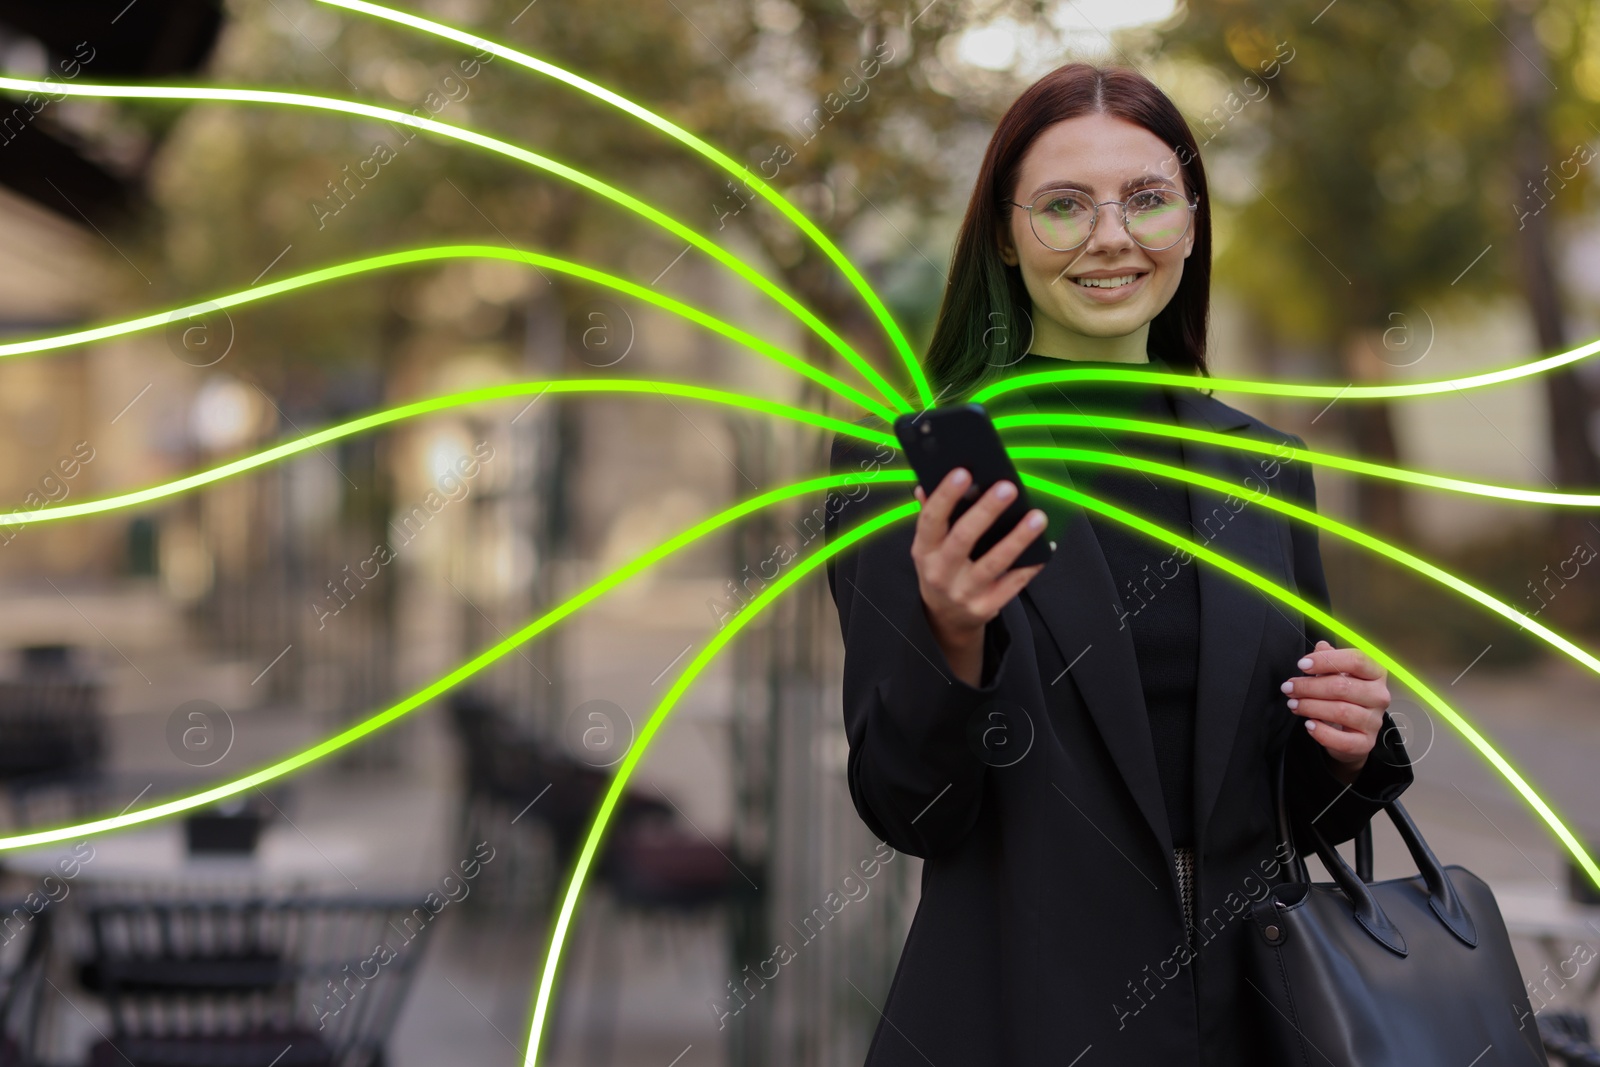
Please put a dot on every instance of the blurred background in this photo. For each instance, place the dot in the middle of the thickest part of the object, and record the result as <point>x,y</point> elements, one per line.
<point>1400,192</point>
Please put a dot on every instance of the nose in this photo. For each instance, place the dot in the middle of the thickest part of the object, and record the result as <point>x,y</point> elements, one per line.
<point>1109,234</point>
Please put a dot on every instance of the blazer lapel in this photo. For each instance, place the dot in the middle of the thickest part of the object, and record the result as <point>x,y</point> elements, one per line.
<point>1077,598</point>
<point>1232,614</point>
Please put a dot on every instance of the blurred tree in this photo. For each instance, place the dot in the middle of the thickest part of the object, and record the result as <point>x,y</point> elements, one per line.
<point>1535,103</point>
<point>1383,164</point>
<point>856,110</point>
<point>846,107</point>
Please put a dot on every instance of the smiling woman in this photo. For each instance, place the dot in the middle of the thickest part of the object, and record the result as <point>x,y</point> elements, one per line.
<point>1112,282</point>
<point>1065,888</point>
<point>1027,256</point>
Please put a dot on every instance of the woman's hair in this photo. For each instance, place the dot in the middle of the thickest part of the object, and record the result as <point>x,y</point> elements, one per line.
<point>984,320</point>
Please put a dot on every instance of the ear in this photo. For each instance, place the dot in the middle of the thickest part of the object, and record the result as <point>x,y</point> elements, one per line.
<point>1008,251</point>
<point>1188,244</point>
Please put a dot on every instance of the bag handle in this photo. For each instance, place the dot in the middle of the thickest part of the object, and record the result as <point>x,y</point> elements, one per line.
<point>1297,863</point>
<point>1442,896</point>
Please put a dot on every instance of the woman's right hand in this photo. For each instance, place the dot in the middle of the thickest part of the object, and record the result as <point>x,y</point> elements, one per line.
<point>959,594</point>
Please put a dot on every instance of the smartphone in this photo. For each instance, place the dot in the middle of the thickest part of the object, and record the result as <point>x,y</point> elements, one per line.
<point>939,440</point>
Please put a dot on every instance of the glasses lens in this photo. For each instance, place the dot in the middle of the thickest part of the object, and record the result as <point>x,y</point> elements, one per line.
<point>1063,219</point>
<point>1157,218</point>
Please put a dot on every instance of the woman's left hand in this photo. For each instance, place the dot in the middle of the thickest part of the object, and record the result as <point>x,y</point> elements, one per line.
<point>1342,696</point>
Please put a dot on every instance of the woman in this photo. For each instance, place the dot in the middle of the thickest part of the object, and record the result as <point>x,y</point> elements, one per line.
<point>1083,751</point>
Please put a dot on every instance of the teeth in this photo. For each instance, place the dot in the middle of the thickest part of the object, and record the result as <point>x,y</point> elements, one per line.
<point>1106,283</point>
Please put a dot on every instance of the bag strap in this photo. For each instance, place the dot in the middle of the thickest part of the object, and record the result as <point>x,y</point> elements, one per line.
<point>1367,910</point>
<point>1442,897</point>
<point>1297,863</point>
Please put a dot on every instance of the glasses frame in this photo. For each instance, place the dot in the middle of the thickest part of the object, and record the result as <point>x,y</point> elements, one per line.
<point>1122,205</point>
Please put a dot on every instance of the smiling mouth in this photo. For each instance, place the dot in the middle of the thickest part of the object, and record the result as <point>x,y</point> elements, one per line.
<point>1109,283</point>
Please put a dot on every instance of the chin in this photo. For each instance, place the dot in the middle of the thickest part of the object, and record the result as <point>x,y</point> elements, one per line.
<point>1117,325</point>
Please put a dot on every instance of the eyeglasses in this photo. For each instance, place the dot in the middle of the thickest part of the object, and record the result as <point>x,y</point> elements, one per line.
<point>1063,219</point>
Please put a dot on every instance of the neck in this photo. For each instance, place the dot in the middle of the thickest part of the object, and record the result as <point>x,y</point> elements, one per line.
<point>1051,340</point>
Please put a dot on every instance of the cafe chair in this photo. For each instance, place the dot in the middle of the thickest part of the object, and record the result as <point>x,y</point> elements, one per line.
<point>252,982</point>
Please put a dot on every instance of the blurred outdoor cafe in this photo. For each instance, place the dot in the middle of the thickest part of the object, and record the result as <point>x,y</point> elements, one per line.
<point>227,938</point>
<point>394,900</point>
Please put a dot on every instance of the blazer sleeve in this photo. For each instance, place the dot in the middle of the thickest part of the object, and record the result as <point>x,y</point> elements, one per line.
<point>915,777</point>
<point>1311,790</point>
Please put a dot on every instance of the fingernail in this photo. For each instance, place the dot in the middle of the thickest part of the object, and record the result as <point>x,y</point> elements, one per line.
<point>960,476</point>
<point>1293,703</point>
<point>1287,687</point>
<point>1311,724</point>
<point>1005,491</point>
<point>1035,521</point>
<point>1305,663</point>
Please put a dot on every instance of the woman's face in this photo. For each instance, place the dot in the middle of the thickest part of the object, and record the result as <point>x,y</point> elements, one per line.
<point>1110,159</point>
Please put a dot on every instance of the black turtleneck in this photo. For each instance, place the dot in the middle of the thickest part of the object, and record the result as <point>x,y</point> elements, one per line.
<point>1159,597</point>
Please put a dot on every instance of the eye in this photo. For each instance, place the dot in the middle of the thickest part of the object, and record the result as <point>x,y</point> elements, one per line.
<point>1066,205</point>
<point>1151,199</point>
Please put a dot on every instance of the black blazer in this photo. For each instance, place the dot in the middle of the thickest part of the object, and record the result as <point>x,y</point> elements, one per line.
<point>1050,925</point>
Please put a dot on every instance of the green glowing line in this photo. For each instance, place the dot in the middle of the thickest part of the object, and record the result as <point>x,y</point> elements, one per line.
<point>636,753</point>
<point>769,595</point>
<point>1312,611</point>
<point>375,722</point>
<point>1294,389</point>
<point>1334,526</point>
<point>678,133</point>
<point>1325,459</point>
<point>425,407</point>
<point>491,144</point>
<point>444,252</point>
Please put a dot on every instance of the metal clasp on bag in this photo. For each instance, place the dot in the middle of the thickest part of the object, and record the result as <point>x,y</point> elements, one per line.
<point>1272,927</point>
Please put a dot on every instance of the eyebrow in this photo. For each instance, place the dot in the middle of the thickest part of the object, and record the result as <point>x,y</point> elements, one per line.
<point>1128,186</point>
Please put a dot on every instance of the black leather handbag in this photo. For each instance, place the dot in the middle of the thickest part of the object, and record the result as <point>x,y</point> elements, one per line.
<point>1407,972</point>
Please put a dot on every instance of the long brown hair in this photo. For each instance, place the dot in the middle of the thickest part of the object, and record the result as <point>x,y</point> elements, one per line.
<point>983,324</point>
